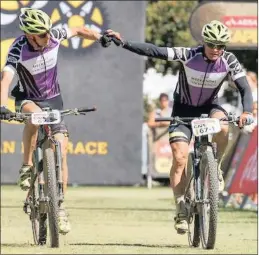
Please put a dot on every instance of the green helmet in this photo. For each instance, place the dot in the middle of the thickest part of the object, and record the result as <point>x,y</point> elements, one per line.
<point>215,32</point>
<point>34,21</point>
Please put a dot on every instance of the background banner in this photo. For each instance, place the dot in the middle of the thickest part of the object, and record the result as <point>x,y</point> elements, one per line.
<point>105,146</point>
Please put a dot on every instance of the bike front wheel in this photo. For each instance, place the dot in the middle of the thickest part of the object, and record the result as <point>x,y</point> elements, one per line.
<point>193,217</point>
<point>209,192</point>
<point>51,188</point>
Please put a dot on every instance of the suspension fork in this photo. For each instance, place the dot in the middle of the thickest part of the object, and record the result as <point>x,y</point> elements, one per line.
<point>58,166</point>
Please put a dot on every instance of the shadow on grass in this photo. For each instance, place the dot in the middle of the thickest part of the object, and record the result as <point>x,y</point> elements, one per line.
<point>101,208</point>
<point>231,209</point>
<point>133,245</point>
<point>18,245</point>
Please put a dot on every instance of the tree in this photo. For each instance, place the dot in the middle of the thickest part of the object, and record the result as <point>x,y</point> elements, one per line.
<point>167,26</point>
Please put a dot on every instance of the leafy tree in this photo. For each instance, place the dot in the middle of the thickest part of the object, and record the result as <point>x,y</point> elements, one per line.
<point>167,25</point>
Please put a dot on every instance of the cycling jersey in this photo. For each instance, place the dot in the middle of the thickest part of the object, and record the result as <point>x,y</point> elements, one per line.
<point>199,78</point>
<point>36,70</point>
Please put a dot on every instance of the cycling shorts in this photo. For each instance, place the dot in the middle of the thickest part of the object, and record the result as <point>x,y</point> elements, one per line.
<point>183,132</point>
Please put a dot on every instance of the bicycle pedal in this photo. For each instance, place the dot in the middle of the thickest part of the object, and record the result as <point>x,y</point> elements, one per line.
<point>181,232</point>
<point>27,209</point>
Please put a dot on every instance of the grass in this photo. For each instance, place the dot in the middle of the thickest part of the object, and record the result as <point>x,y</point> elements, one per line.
<point>119,220</point>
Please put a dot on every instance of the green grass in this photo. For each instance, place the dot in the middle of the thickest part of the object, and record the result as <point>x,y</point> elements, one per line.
<point>119,220</point>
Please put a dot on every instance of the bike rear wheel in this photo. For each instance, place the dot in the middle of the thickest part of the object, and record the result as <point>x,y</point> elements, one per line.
<point>52,193</point>
<point>209,192</point>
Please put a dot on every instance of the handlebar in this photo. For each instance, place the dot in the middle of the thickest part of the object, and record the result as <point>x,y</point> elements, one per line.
<point>21,117</point>
<point>77,111</point>
<point>187,120</point>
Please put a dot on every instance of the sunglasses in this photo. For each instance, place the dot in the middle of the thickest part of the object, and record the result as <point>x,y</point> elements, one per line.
<point>42,36</point>
<point>216,46</point>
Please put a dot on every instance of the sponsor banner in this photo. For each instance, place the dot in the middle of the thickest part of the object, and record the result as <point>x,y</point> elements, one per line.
<point>246,176</point>
<point>162,156</point>
<point>104,146</point>
<point>240,17</point>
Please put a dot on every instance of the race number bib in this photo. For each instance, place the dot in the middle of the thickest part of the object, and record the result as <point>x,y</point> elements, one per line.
<point>44,118</point>
<point>205,126</point>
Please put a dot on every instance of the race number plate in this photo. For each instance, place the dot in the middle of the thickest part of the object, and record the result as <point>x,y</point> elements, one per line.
<point>205,126</point>
<point>44,118</point>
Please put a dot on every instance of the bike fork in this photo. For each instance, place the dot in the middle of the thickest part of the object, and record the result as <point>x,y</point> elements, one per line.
<point>58,157</point>
<point>43,198</point>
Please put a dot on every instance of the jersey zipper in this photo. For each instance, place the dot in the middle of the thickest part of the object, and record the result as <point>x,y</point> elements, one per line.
<point>203,83</point>
<point>45,67</point>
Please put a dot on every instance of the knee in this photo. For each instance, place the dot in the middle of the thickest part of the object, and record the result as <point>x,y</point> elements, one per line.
<point>180,159</point>
<point>224,129</point>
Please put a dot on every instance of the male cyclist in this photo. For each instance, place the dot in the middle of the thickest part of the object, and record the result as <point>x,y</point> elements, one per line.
<point>33,59</point>
<point>202,72</point>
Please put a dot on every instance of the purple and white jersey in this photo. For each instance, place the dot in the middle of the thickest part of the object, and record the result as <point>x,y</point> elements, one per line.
<point>199,79</point>
<point>37,71</point>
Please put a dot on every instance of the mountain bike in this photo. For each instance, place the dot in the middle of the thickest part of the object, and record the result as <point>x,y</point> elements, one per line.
<point>46,183</point>
<point>201,193</point>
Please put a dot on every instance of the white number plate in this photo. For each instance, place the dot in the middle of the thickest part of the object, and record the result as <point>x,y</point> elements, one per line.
<point>205,126</point>
<point>43,118</point>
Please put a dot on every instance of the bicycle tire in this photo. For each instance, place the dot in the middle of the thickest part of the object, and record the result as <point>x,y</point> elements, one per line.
<point>34,211</point>
<point>39,226</point>
<point>51,185</point>
<point>194,225</point>
<point>209,169</point>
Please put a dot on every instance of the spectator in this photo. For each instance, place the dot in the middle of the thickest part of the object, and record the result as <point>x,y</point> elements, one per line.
<point>164,110</point>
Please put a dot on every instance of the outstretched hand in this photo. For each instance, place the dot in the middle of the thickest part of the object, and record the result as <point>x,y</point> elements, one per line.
<point>112,33</point>
<point>115,36</point>
<point>105,41</point>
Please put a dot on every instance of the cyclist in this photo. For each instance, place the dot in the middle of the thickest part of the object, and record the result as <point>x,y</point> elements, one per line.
<point>33,59</point>
<point>202,72</point>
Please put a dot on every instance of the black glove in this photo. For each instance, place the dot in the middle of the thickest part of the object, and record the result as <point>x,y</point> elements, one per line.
<point>105,41</point>
<point>116,41</point>
<point>5,113</point>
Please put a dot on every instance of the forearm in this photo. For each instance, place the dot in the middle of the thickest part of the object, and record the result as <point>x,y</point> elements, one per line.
<point>86,33</point>
<point>246,94</point>
<point>158,124</point>
<point>4,94</point>
<point>6,80</point>
<point>146,49</point>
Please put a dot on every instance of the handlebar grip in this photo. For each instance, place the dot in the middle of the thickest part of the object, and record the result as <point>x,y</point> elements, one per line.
<point>85,109</point>
<point>6,116</point>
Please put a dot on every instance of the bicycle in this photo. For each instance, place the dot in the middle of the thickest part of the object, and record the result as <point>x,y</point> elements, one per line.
<point>201,193</point>
<point>46,190</point>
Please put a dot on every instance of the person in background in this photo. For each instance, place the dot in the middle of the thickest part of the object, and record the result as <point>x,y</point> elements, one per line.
<point>164,110</point>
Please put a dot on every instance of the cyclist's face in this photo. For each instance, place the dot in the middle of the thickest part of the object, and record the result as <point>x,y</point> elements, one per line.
<point>212,51</point>
<point>42,39</point>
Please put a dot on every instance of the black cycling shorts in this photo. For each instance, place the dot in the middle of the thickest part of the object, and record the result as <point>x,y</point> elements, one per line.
<point>53,103</point>
<point>183,132</point>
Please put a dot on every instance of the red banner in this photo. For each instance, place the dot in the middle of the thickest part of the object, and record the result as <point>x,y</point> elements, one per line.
<point>240,21</point>
<point>245,179</point>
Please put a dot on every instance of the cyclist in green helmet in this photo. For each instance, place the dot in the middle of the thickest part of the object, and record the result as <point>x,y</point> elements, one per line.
<point>33,59</point>
<point>203,70</point>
